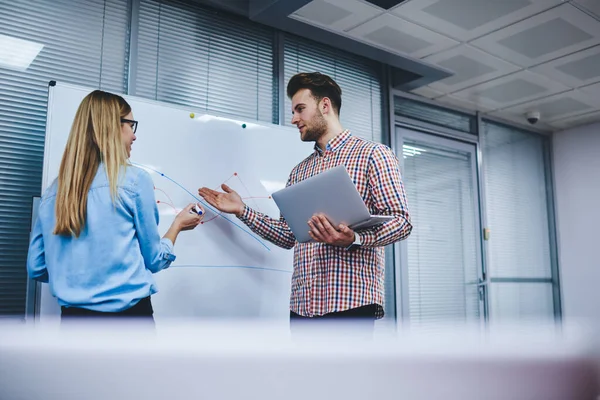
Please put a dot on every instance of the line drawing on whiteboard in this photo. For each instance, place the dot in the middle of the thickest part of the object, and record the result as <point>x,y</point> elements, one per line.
<point>166,194</point>
<point>171,203</point>
<point>175,209</point>
<point>204,203</point>
<point>250,197</point>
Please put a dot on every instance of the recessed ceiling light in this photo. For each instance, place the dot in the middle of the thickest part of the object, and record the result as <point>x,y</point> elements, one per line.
<point>386,4</point>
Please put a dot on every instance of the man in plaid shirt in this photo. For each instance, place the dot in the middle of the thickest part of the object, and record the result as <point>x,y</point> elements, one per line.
<point>341,274</point>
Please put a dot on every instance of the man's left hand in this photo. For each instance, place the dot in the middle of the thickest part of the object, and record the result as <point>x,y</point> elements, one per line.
<point>322,231</point>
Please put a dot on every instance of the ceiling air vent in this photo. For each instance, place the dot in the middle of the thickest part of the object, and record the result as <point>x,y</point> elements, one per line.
<point>386,4</point>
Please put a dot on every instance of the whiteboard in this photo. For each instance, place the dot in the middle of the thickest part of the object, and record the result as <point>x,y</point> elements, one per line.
<point>222,268</point>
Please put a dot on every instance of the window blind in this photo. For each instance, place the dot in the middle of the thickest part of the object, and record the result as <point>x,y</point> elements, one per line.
<point>432,114</point>
<point>359,79</point>
<point>200,58</point>
<point>83,43</point>
<point>441,250</point>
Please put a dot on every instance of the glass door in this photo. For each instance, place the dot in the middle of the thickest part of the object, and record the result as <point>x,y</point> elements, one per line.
<point>440,274</point>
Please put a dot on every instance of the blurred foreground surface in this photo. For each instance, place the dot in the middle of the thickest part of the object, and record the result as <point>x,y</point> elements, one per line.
<point>249,360</point>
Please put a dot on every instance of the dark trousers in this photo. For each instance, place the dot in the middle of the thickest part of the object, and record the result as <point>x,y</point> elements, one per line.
<point>141,311</point>
<point>364,315</point>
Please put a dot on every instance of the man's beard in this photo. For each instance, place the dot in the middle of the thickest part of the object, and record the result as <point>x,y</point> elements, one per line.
<point>317,128</point>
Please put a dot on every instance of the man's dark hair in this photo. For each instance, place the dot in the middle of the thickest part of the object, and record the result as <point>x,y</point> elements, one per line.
<point>320,86</point>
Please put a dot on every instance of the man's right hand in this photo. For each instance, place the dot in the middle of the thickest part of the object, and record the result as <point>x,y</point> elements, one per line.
<point>228,202</point>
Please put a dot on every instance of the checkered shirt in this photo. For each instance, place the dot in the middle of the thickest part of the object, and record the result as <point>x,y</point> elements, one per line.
<point>329,278</point>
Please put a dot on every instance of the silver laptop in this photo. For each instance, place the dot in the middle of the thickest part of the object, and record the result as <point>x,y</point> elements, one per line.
<point>332,193</point>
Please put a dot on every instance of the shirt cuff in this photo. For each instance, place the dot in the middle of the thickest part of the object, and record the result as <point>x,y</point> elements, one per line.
<point>168,254</point>
<point>247,215</point>
<point>367,238</point>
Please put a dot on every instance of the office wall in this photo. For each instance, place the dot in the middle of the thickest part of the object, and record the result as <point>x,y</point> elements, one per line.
<point>576,154</point>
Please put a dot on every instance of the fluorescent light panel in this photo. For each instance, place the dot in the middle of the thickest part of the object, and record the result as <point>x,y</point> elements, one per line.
<point>17,53</point>
<point>411,151</point>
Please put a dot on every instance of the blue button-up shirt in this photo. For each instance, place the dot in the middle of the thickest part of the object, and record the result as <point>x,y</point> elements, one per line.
<point>109,266</point>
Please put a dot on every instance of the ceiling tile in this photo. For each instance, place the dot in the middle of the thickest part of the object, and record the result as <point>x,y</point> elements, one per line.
<point>592,90</point>
<point>462,103</point>
<point>578,120</point>
<point>578,69</point>
<point>322,13</point>
<point>544,37</point>
<point>470,65</point>
<point>399,36</point>
<point>519,121</point>
<point>513,89</point>
<point>591,5</point>
<point>336,15</point>
<point>468,19</point>
<point>555,107</point>
<point>428,92</point>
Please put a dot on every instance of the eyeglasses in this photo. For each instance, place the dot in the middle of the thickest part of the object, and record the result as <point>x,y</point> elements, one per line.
<point>133,123</point>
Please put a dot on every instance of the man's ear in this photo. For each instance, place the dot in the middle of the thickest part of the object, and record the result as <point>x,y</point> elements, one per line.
<point>325,106</point>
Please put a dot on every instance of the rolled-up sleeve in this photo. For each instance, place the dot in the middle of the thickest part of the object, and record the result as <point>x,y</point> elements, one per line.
<point>275,231</point>
<point>387,190</point>
<point>157,253</point>
<point>36,256</point>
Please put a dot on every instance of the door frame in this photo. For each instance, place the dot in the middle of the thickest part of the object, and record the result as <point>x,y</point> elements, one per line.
<point>399,135</point>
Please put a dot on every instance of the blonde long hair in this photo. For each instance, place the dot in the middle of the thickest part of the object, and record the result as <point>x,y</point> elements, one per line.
<point>95,137</point>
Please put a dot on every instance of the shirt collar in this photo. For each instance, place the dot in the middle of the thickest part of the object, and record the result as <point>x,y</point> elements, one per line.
<point>335,143</point>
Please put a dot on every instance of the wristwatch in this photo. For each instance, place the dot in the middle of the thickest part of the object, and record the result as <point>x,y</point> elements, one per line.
<point>356,244</point>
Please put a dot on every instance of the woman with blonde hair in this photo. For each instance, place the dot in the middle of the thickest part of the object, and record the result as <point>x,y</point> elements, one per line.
<point>96,239</point>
